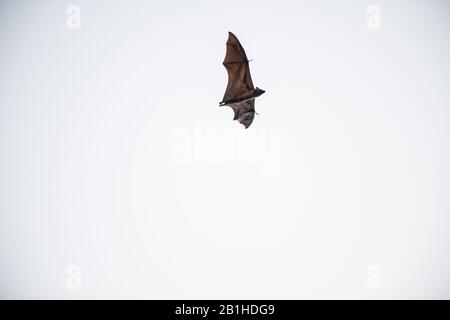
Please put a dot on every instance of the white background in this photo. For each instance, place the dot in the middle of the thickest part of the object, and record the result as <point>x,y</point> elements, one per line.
<point>356,205</point>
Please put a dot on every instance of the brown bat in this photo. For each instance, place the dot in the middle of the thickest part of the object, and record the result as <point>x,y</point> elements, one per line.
<point>240,94</point>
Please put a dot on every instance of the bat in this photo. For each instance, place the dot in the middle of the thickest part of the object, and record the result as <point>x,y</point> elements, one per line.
<point>240,93</point>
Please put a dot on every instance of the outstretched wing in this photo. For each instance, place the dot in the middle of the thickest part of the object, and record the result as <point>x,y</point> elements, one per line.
<point>236,63</point>
<point>244,112</point>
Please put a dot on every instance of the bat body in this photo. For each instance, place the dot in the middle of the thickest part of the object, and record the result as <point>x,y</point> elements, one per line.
<point>240,93</point>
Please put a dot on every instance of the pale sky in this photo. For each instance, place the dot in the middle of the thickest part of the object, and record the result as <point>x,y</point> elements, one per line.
<point>122,178</point>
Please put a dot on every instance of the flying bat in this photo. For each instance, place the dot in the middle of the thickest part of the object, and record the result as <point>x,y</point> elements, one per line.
<point>240,94</point>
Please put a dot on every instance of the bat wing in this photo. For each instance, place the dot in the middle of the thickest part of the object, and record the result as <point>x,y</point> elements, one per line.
<point>244,112</point>
<point>236,63</point>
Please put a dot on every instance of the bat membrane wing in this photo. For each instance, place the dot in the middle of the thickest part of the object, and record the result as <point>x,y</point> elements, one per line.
<point>244,112</point>
<point>247,118</point>
<point>235,51</point>
<point>236,63</point>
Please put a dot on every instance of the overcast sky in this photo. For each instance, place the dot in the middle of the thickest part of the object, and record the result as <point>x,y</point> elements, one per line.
<point>120,176</point>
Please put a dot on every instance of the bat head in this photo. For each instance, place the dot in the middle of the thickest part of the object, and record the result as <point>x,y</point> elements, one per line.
<point>258,92</point>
